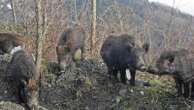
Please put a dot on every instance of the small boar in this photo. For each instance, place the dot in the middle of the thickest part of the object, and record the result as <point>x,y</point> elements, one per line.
<point>120,53</point>
<point>70,46</point>
<point>23,74</point>
<point>8,41</point>
<point>180,65</point>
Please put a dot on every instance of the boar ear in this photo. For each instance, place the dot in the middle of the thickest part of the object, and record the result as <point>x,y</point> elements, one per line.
<point>146,47</point>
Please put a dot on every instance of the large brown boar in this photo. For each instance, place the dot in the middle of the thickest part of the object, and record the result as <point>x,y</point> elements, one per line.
<point>70,46</point>
<point>23,75</point>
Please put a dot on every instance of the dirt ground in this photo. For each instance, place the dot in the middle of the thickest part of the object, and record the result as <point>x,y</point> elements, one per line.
<point>87,87</point>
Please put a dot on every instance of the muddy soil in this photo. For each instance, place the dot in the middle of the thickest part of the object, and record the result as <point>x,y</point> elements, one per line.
<point>86,86</point>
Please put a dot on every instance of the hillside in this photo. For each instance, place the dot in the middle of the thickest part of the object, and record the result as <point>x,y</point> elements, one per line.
<point>87,85</point>
<point>157,21</point>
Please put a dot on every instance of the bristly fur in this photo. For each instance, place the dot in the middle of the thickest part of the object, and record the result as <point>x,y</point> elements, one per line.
<point>23,73</point>
<point>9,41</point>
<point>70,41</point>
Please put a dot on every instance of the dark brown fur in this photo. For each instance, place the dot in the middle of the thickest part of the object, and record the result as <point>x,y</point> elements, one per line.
<point>71,40</point>
<point>23,74</point>
<point>120,53</point>
<point>8,41</point>
<point>180,65</point>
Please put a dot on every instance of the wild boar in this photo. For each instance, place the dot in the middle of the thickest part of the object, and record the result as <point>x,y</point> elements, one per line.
<point>70,46</point>
<point>179,64</point>
<point>120,53</point>
<point>23,75</point>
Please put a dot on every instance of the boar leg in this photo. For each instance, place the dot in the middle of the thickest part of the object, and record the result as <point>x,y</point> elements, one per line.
<point>110,71</point>
<point>21,93</point>
<point>187,89</point>
<point>114,72</point>
<point>190,89</point>
<point>21,96</point>
<point>182,88</point>
<point>123,76</point>
<point>132,81</point>
<point>179,86</point>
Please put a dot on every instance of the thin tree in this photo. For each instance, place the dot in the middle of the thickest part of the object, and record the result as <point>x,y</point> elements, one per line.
<point>13,11</point>
<point>41,29</point>
<point>93,28</point>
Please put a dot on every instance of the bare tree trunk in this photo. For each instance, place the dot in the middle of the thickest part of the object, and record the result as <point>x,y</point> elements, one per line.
<point>13,11</point>
<point>40,37</point>
<point>93,28</point>
<point>75,9</point>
